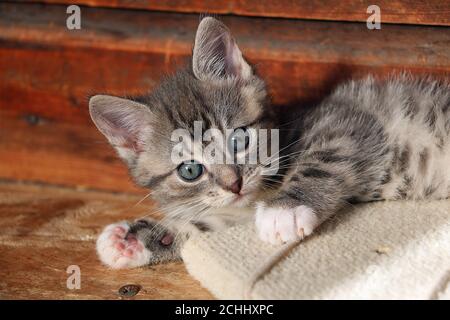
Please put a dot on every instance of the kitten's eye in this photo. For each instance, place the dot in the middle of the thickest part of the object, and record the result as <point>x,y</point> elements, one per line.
<point>190,171</point>
<point>239,140</point>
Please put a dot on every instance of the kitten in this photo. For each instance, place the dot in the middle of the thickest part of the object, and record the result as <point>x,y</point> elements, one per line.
<point>367,141</point>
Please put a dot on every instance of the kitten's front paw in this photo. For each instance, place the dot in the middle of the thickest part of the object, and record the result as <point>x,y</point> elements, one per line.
<point>277,225</point>
<point>117,248</point>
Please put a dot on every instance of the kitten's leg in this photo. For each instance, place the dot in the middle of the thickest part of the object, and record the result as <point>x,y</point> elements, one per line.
<point>310,194</point>
<point>143,242</point>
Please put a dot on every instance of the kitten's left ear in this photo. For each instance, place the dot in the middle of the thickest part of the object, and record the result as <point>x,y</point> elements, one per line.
<point>125,123</point>
<point>216,54</point>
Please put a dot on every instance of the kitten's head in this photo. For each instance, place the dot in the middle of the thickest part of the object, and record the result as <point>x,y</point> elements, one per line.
<point>220,90</point>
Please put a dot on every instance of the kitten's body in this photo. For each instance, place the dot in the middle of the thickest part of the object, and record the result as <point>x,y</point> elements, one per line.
<point>384,139</point>
<point>369,140</point>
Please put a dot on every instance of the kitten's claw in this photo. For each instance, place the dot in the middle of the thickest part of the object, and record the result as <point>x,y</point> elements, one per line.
<point>277,225</point>
<point>119,249</point>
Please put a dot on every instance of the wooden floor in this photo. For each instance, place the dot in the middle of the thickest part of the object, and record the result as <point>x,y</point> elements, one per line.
<point>44,230</point>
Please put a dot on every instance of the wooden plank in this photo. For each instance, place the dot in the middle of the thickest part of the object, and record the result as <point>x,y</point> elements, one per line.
<point>431,12</point>
<point>45,230</point>
<point>48,72</point>
<point>128,51</point>
<point>59,153</point>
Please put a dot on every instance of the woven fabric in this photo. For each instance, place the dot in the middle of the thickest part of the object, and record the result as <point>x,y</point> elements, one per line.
<point>383,250</point>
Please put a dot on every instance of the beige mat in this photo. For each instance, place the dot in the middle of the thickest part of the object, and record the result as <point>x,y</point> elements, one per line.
<point>385,250</point>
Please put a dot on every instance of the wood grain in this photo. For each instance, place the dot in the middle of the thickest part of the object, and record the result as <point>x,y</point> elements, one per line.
<point>45,230</point>
<point>431,12</point>
<point>48,73</point>
<point>60,153</point>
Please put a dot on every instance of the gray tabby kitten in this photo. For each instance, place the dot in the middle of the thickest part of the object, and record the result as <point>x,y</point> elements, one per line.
<point>367,141</point>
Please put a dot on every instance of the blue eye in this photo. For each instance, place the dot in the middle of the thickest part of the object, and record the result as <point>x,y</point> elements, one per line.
<point>239,140</point>
<point>190,171</point>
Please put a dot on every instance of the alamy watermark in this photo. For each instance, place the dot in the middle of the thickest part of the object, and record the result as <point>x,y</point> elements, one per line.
<point>73,22</point>
<point>234,146</point>
<point>74,279</point>
<point>374,20</point>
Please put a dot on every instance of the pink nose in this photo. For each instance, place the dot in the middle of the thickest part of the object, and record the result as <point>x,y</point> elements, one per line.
<point>236,186</point>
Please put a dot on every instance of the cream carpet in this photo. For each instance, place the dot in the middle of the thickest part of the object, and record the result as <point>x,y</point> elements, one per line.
<point>384,250</point>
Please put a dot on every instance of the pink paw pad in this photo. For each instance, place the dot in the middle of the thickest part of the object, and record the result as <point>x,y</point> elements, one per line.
<point>117,248</point>
<point>126,244</point>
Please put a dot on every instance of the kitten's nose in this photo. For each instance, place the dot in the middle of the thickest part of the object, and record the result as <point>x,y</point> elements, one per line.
<point>236,186</point>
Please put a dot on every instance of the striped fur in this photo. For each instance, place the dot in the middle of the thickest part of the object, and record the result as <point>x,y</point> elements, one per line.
<point>370,140</point>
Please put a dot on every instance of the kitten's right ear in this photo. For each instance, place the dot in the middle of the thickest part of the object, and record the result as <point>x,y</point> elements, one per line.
<point>123,122</point>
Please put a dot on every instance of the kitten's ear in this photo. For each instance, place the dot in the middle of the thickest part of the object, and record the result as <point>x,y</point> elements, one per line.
<point>123,122</point>
<point>216,54</point>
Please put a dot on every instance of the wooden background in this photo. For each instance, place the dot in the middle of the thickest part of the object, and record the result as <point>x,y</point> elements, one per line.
<point>303,48</point>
